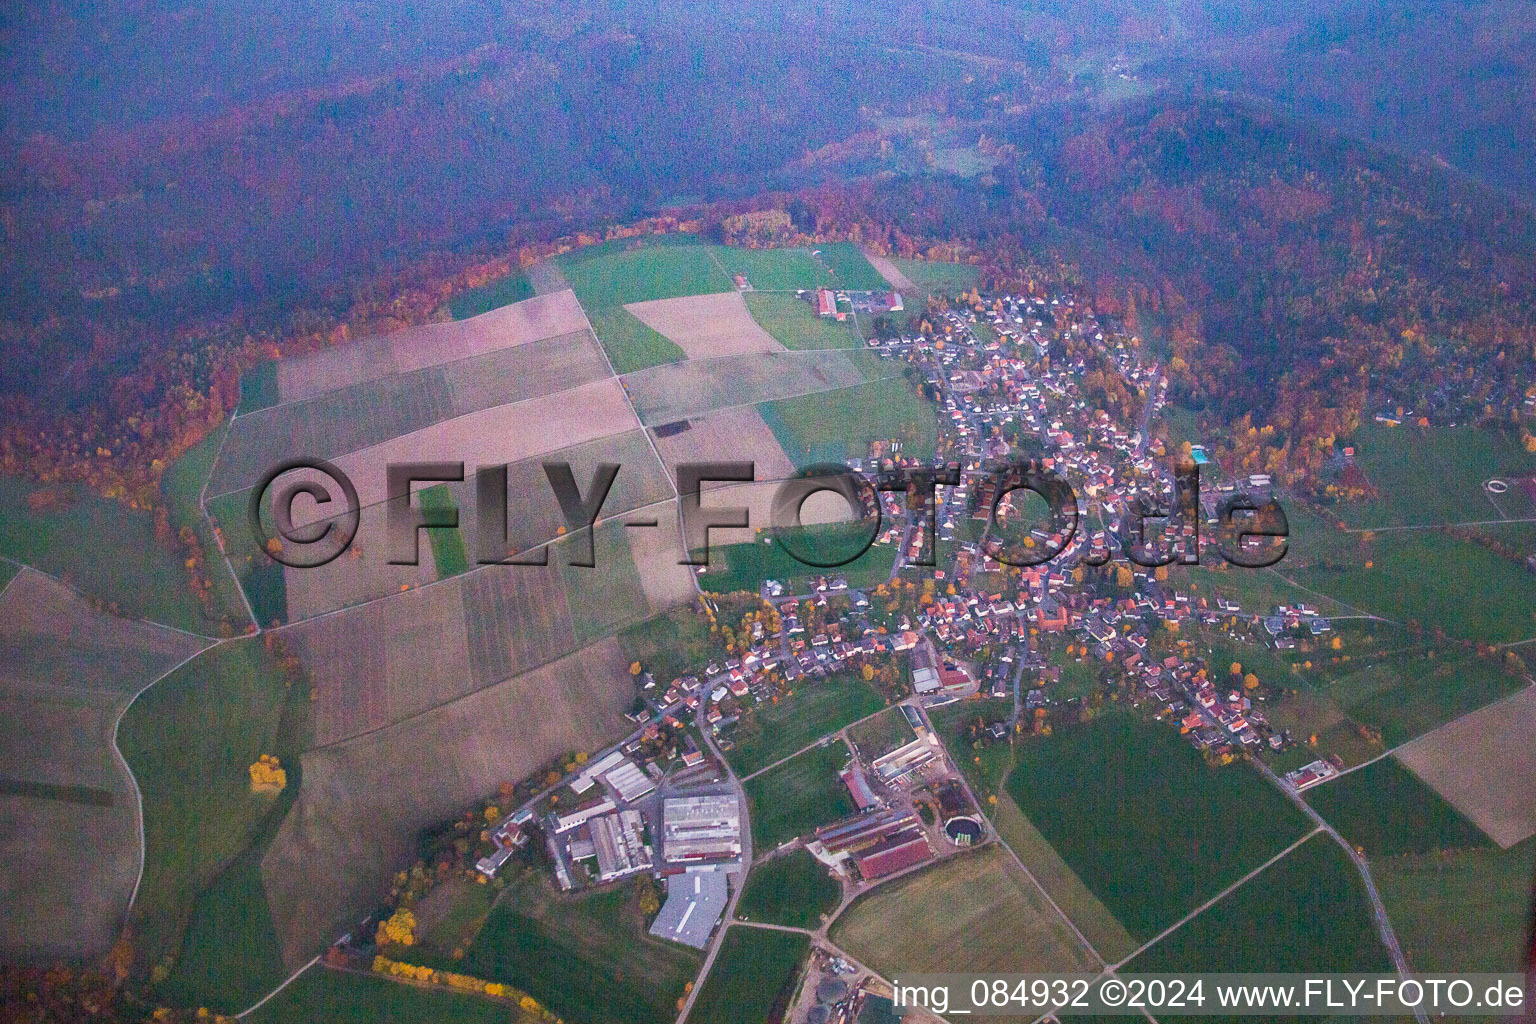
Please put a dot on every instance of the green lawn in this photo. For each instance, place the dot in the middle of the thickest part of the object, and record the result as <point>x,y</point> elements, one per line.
<point>1385,809</point>
<point>1144,821</point>
<point>753,977</point>
<point>775,269</point>
<point>1463,911</point>
<point>938,278</point>
<point>769,732</point>
<point>585,956</point>
<point>101,546</point>
<point>850,270</point>
<point>793,890</point>
<point>448,552</point>
<point>493,294</point>
<point>1306,912</point>
<point>190,741</point>
<point>794,323</point>
<point>261,578</point>
<point>631,343</point>
<point>258,388</point>
<point>671,644</point>
<point>615,275</point>
<point>831,426</point>
<point>321,994</point>
<point>746,565</point>
<point>798,796</point>
<point>1432,476</point>
<point>985,767</point>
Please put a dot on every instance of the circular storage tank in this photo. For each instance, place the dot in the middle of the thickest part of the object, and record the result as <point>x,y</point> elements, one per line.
<point>963,830</point>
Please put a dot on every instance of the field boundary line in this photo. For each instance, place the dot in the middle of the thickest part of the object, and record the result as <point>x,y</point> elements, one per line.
<point>133,781</point>
<point>286,982</point>
<point>819,741</point>
<point>1202,908</point>
<point>1436,526</point>
<point>82,595</point>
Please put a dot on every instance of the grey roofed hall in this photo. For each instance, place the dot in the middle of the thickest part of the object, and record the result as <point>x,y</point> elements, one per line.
<point>695,901</point>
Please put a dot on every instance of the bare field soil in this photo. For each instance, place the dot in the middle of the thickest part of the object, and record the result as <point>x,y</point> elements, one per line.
<point>357,417</point>
<point>69,834</point>
<point>543,316</point>
<point>362,574</point>
<point>373,665</point>
<point>505,434</point>
<point>676,391</point>
<point>516,618</point>
<point>657,553</point>
<point>892,273</point>
<point>706,326</point>
<point>1485,764</point>
<point>736,435</point>
<point>364,801</point>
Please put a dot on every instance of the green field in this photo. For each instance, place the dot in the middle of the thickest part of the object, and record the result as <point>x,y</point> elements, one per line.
<point>831,426</point>
<point>1435,476</point>
<point>630,342</point>
<point>977,912</point>
<point>772,731</point>
<point>1306,912</point>
<point>882,734</point>
<point>938,278</point>
<point>190,741</point>
<point>182,484</point>
<point>258,388</point>
<point>322,994</point>
<point>794,324</point>
<point>671,644</point>
<point>1385,809</point>
<point>775,269</point>
<point>492,295</point>
<point>1463,911</point>
<point>798,796</point>
<point>1143,821</point>
<point>448,552</point>
<point>102,547</point>
<point>850,270</point>
<point>746,565</point>
<point>616,274</point>
<point>558,947</point>
<point>753,977</point>
<point>794,890</point>
<point>261,578</point>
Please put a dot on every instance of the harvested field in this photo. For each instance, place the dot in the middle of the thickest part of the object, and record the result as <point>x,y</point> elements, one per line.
<point>657,553</point>
<point>375,664</point>
<point>1483,764</point>
<point>362,574</point>
<point>680,391</point>
<point>363,801</point>
<point>891,272</point>
<point>70,838</point>
<point>546,278</point>
<point>977,912</point>
<point>516,617</point>
<point>706,326</point>
<point>543,316</point>
<point>737,434</point>
<point>371,413</point>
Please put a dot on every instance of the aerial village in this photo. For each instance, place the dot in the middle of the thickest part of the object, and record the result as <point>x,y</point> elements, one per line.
<point>665,804</point>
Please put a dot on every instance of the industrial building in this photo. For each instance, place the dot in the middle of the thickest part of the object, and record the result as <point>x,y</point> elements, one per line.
<point>695,901</point>
<point>701,828</point>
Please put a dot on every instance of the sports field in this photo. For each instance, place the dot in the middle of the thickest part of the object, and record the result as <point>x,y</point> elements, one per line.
<point>792,320</point>
<point>71,840</point>
<point>753,977</point>
<point>586,956</point>
<point>1306,912</point>
<point>798,796</point>
<point>1483,764</point>
<point>976,912</point>
<point>769,732</point>
<point>1141,804</point>
<point>1386,810</point>
<point>794,890</point>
